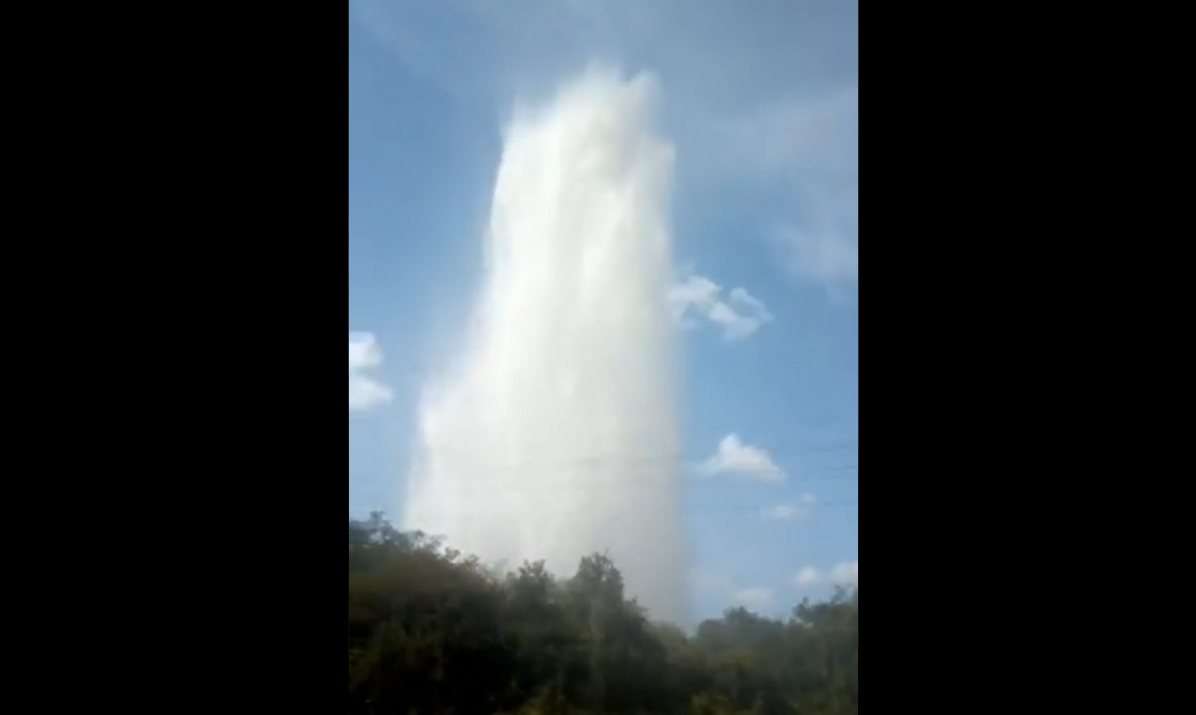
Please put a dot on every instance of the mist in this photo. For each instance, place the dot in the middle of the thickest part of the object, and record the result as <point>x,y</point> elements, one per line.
<point>556,432</point>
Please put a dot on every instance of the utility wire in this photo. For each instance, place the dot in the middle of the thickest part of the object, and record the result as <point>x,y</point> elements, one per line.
<point>628,479</point>
<point>490,465</point>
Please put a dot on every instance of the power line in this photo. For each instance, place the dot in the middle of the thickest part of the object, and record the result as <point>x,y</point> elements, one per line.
<point>795,447</point>
<point>808,509</point>
<point>490,465</point>
<point>756,511</point>
<point>626,479</point>
<point>495,500</point>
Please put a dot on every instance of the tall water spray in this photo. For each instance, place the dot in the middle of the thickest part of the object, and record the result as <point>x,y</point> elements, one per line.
<point>557,434</point>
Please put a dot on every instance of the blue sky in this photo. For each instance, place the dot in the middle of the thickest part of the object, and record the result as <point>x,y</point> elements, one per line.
<point>760,98</point>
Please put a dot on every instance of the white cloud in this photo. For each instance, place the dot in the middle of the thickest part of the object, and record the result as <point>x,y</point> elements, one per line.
<point>755,597</point>
<point>717,585</point>
<point>791,512</point>
<point>365,392</point>
<point>808,578</point>
<point>738,459</point>
<point>697,299</point>
<point>846,574</point>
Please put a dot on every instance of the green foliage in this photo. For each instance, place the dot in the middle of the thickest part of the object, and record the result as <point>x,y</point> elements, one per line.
<point>433,633</point>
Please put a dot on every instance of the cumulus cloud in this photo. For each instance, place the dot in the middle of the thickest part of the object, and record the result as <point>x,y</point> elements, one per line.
<point>365,391</point>
<point>791,512</point>
<point>734,458</point>
<point>845,574</point>
<point>719,586</point>
<point>697,300</point>
<point>758,598</point>
<point>808,578</point>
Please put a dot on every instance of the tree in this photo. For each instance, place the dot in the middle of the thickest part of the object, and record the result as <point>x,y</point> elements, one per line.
<point>433,632</point>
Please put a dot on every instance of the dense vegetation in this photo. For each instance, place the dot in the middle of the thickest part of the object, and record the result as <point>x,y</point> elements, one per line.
<point>432,632</point>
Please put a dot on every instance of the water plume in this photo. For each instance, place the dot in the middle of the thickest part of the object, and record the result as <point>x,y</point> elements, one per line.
<point>557,433</point>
